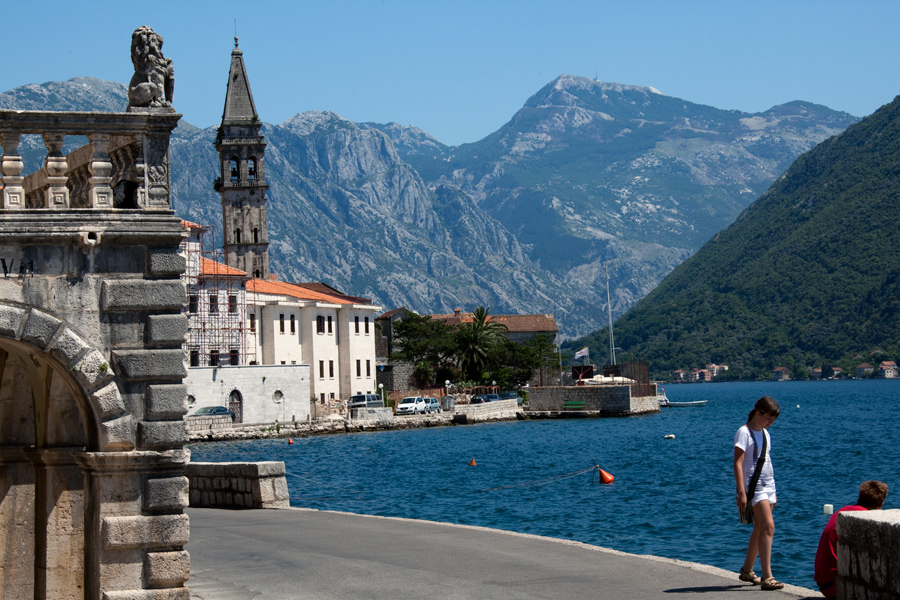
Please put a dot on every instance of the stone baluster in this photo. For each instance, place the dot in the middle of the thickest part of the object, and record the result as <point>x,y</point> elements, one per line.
<point>11,167</point>
<point>101,169</point>
<point>55,166</point>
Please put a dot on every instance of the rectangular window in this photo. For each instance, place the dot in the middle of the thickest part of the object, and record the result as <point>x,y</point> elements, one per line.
<point>367,326</point>
<point>214,358</point>
<point>322,395</point>
<point>329,324</point>
<point>232,304</point>
<point>358,368</point>
<point>293,325</point>
<point>193,303</point>
<point>235,356</point>
<point>321,369</point>
<point>195,357</point>
<point>281,322</point>
<point>320,324</point>
<point>252,323</point>
<point>356,323</point>
<point>368,368</point>
<point>213,304</point>
<point>331,369</point>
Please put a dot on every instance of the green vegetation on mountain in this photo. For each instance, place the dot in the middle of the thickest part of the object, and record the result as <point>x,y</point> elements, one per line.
<point>808,275</point>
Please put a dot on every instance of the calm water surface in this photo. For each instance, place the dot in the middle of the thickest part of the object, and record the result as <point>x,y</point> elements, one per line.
<point>672,498</point>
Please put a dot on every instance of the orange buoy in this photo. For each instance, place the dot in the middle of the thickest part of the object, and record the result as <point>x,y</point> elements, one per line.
<point>290,441</point>
<point>605,477</point>
<point>472,462</point>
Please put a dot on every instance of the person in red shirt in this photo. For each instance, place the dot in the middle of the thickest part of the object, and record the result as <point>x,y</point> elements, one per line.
<point>871,497</point>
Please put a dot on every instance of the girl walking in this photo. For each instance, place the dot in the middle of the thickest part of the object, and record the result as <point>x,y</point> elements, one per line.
<point>752,445</point>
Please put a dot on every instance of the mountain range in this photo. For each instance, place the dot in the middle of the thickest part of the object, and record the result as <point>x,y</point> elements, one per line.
<point>587,179</point>
<point>808,276</point>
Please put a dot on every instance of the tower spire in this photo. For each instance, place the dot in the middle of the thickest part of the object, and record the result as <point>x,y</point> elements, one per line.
<point>242,182</point>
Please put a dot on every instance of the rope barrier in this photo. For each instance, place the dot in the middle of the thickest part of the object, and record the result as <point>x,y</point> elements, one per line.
<point>543,481</point>
<point>326,484</point>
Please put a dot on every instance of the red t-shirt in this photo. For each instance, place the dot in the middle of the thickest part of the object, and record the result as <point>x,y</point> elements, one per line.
<point>826,556</point>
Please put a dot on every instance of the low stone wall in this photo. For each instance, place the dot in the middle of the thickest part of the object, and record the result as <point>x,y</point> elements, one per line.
<point>589,399</point>
<point>501,409</point>
<point>214,422</point>
<point>238,485</point>
<point>868,555</point>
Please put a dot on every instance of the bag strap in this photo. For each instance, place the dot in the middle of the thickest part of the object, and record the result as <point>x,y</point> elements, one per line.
<point>759,465</point>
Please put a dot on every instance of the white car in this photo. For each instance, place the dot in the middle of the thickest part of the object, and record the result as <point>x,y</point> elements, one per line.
<point>432,405</point>
<point>412,405</point>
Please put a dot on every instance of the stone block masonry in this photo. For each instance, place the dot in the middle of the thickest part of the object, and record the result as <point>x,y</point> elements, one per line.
<point>590,400</point>
<point>868,555</point>
<point>238,485</point>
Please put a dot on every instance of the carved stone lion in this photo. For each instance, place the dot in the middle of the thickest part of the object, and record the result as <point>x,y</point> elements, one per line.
<point>153,83</point>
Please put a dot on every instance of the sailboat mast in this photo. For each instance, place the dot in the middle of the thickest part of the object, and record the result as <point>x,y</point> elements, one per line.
<point>612,343</point>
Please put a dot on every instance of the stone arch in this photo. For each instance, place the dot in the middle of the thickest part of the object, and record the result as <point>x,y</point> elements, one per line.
<point>58,403</point>
<point>236,404</point>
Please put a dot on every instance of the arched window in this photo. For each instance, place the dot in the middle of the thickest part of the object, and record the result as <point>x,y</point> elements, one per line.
<point>237,236</point>
<point>255,235</point>
<point>251,169</point>
<point>235,171</point>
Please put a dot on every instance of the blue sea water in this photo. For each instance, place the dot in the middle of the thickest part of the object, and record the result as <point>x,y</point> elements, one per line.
<point>670,497</point>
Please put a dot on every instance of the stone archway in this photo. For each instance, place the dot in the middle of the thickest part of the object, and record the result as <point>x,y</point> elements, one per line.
<point>48,423</point>
<point>236,404</point>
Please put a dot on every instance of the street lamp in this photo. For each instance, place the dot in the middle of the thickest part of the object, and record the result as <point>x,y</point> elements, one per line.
<point>381,391</point>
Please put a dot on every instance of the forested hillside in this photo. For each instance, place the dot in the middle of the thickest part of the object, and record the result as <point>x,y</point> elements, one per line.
<point>808,275</point>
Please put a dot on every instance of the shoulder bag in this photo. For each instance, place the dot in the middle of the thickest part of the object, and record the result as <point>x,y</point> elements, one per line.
<point>746,515</point>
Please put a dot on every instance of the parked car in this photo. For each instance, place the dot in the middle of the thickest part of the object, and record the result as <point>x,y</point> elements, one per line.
<point>432,405</point>
<point>491,397</point>
<point>412,405</point>
<point>213,411</point>
<point>365,401</point>
<point>477,400</point>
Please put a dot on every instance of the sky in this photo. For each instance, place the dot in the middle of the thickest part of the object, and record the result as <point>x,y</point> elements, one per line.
<point>460,69</point>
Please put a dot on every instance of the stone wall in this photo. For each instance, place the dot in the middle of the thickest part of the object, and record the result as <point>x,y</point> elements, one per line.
<point>267,393</point>
<point>238,485</point>
<point>869,555</point>
<point>599,399</point>
<point>501,409</point>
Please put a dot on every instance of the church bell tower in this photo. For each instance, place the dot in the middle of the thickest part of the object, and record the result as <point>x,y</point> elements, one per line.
<point>242,183</point>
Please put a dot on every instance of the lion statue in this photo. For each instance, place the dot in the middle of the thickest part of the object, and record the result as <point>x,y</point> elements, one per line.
<point>153,83</point>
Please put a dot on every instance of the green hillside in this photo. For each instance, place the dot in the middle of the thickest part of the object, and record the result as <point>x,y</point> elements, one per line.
<point>808,275</point>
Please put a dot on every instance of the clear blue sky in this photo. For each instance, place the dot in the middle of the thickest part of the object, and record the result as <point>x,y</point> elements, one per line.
<point>460,69</point>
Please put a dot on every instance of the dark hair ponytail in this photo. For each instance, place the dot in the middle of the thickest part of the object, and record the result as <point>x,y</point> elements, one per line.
<point>767,406</point>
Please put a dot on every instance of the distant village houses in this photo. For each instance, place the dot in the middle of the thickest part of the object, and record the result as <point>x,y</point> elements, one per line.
<point>698,375</point>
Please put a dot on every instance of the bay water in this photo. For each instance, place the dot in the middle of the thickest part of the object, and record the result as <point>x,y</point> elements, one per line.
<point>670,497</point>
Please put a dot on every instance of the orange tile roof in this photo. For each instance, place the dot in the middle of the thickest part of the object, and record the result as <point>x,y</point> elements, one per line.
<point>211,267</point>
<point>262,286</point>
<point>522,323</point>
<point>190,225</point>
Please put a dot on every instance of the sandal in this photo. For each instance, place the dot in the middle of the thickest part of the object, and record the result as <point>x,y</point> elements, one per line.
<point>749,577</point>
<point>770,583</point>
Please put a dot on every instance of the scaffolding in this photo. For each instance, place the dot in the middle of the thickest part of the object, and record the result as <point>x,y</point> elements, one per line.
<point>218,330</point>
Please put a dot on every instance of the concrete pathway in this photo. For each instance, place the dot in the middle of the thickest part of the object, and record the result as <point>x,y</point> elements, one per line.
<point>318,555</point>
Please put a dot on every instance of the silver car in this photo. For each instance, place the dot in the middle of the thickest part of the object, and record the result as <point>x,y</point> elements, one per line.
<point>412,405</point>
<point>432,405</point>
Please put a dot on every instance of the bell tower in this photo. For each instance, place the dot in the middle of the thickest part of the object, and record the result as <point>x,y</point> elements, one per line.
<point>242,182</point>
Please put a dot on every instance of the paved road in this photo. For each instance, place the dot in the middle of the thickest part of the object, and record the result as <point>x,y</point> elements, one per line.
<point>317,555</point>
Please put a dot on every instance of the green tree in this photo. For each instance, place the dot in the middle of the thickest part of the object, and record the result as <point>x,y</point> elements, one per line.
<point>475,342</point>
<point>428,344</point>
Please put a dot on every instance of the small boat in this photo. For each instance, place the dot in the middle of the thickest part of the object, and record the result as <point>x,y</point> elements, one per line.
<point>685,404</point>
<point>661,396</point>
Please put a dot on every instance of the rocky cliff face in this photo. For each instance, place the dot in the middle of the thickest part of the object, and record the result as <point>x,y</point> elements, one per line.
<point>587,177</point>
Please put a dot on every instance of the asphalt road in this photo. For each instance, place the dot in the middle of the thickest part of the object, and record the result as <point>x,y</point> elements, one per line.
<point>317,555</point>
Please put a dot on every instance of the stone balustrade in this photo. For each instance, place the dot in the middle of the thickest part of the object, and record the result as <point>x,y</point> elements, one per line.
<point>238,485</point>
<point>124,165</point>
<point>868,554</point>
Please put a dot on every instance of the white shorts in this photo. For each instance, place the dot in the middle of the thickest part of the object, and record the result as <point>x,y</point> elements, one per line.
<point>765,493</point>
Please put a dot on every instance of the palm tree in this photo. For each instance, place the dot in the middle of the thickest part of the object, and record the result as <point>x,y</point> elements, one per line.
<point>475,341</point>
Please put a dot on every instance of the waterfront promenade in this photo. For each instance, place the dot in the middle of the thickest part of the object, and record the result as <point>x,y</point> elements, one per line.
<point>318,555</point>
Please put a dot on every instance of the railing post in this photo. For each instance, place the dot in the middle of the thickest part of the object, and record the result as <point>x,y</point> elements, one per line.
<point>11,167</point>
<point>101,168</point>
<point>55,165</point>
